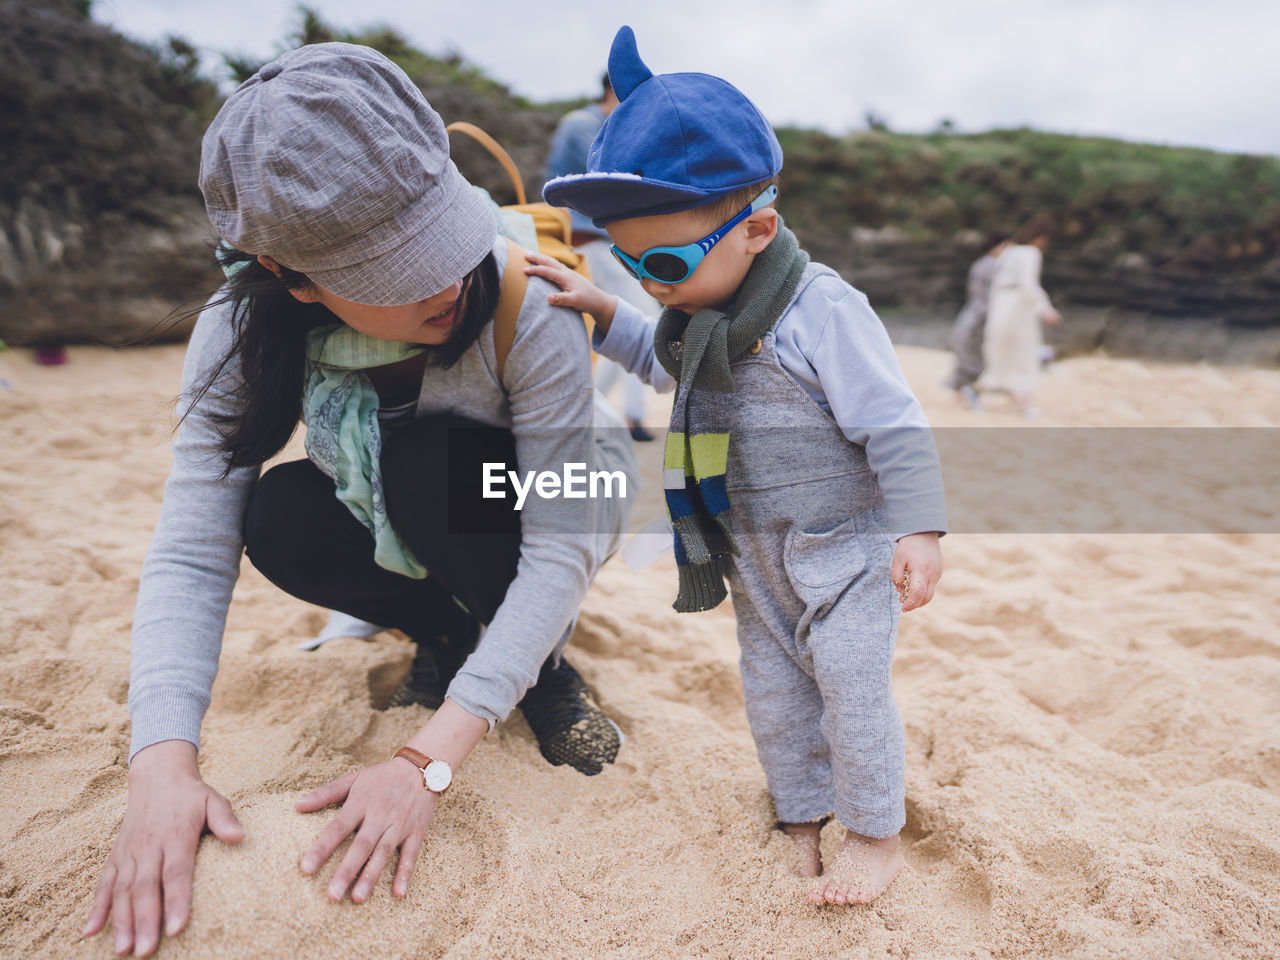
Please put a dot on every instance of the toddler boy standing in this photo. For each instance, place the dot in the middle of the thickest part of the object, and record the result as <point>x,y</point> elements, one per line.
<point>797,456</point>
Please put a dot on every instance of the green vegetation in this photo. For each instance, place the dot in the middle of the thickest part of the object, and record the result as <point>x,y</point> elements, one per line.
<point>459,91</point>
<point>180,82</point>
<point>1107,196</point>
<point>427,71</point>
<point>100,215</point>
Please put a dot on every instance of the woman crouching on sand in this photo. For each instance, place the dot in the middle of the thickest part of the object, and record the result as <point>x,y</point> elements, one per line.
<point>361,288</point>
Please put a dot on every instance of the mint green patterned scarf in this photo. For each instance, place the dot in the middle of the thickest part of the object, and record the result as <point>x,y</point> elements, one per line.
<point>344,439</point>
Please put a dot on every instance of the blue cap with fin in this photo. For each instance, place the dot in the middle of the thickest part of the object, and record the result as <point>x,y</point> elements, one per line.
<point>674,142</point>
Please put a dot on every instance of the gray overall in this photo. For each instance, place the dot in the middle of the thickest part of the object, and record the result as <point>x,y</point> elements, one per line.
<point>816,609</point>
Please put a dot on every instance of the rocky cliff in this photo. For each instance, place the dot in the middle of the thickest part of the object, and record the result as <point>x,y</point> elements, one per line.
<point>1161,251</point>
<point>102,231</point>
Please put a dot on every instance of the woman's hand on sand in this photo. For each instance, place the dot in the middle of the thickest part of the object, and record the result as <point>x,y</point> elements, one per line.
<point>387,809</point>
<point>148,874</point>
<point>576,291</point>
<point>917,568</point>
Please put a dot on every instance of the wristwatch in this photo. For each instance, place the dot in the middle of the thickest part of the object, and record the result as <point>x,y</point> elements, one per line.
<point>437,775</point>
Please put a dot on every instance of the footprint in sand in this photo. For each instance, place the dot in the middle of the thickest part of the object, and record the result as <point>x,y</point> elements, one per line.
<point>1225,641</point>
<point>942,871</point>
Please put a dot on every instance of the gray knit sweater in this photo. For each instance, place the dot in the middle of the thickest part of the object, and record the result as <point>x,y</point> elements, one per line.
<point>194,559</point>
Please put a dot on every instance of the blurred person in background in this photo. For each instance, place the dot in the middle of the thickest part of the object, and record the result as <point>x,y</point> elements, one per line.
<point>1019,305</point>
<point>568,155</point>
<point>971,323</point>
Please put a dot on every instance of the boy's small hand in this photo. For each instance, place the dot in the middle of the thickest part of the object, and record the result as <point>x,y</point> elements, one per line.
<point>917,568</point>
<point>576,291</point>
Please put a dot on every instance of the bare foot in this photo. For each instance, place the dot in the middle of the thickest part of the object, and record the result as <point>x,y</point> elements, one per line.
<point>807,837</point>
<point>864,868</point>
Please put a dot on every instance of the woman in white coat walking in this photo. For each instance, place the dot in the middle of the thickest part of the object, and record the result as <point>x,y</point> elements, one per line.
<point>1018,307</point>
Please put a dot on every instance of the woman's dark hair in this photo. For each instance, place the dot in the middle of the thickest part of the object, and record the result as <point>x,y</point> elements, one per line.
<point>994,239</point>
<point>1041,225</point>
<point>269,333</point>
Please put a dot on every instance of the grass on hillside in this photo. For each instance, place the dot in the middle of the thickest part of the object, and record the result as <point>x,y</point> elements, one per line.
<point>1108,197</point>
<point>1157,200</point>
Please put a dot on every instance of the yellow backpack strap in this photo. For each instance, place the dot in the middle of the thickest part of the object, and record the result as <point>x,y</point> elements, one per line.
<point>495,148</point>
<point>510,299</point>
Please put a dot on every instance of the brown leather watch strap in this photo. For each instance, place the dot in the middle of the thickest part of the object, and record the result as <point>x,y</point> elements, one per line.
<point>419,760</point>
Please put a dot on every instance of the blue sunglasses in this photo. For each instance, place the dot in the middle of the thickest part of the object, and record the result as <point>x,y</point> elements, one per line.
<point>676,264</point>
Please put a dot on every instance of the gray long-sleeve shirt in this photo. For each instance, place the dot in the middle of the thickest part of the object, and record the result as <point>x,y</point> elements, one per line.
<point>833,345</point>
<point>548,402</point>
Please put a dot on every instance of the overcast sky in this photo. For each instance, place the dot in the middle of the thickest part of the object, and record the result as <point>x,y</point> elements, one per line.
<point>1168,71</point>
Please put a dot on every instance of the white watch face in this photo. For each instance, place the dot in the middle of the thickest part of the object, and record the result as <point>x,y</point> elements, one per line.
<point>437,775</point>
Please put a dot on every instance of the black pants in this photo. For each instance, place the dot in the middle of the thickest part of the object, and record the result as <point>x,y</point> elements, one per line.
<point>306,542</point>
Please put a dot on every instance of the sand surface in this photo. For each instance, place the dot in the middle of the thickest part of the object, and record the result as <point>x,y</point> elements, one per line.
<point>1093,728</point>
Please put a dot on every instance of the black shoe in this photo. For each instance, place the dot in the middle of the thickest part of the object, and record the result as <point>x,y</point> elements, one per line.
<point>422,684</point>
<point>435,663</point>
<point>570,727</point>
<point>640,435</point>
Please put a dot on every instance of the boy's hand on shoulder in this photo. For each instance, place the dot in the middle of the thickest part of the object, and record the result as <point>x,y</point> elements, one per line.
<point>576,291</point>
<point>917,568</point>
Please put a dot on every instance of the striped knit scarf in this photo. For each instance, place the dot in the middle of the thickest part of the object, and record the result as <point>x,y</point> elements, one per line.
<point>697,351</point>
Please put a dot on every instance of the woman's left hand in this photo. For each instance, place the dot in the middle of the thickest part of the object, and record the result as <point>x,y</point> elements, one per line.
<point>387,809</point>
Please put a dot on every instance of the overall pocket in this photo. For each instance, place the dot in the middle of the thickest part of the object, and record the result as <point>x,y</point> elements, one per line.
<point>821,566</point>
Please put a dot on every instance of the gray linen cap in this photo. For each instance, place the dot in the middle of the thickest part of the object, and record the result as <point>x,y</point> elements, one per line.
<point>331,161</point>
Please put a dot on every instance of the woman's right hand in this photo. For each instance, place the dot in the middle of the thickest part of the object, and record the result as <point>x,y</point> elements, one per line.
<point>148,874</point>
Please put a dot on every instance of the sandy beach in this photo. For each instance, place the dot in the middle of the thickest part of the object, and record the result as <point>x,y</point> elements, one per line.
<point>1093,729</point>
